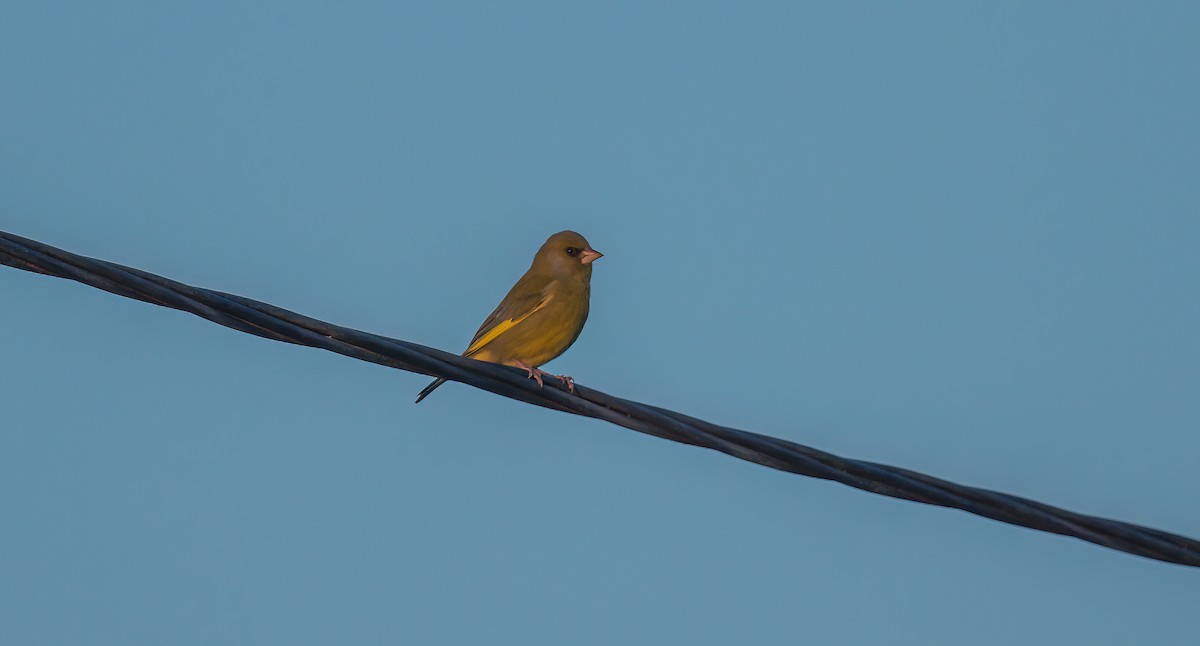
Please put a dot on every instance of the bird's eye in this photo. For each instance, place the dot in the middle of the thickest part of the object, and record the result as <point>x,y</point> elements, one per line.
<point>571,251</point>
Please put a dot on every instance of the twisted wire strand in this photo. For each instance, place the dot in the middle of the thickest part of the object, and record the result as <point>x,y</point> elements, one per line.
<point>271,322</point>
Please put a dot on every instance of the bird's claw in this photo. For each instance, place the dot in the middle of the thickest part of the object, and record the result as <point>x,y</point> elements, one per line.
<point>534,373</point>
<point>537,375</point>
<point>570,383</point>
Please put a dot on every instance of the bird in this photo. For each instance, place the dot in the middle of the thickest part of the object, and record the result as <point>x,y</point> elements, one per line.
<point>543,313</point>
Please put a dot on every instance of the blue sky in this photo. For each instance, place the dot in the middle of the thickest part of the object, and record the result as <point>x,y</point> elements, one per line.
<point>956,237</point>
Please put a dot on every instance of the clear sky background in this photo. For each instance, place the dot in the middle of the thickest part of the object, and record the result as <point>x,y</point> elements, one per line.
<point>956,237</point>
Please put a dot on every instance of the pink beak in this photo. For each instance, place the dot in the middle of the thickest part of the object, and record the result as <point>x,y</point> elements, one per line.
<point>588,256</point>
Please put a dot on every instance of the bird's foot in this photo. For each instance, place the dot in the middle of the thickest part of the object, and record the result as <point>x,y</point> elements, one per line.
<point>537,375</point>
<point>566,379</point>
<point>534,373</point>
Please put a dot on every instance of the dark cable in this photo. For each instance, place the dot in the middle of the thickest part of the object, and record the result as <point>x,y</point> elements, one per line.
<point>278,324</point>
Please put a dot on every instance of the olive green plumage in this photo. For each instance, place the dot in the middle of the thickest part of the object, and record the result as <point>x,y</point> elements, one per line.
<point>542,314</point>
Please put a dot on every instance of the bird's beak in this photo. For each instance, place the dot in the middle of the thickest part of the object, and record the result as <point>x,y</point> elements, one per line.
<point>588,256</point>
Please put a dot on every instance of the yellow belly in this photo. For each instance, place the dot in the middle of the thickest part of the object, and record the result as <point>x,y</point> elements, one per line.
<point>538,339</point>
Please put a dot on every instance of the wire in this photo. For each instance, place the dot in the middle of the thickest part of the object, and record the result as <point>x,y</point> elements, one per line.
<point>271,322</point>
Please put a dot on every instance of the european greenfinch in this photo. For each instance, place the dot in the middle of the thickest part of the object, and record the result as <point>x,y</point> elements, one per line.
<point>542,314</point>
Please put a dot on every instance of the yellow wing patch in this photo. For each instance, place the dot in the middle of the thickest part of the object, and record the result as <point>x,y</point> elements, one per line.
<point>501,328</point>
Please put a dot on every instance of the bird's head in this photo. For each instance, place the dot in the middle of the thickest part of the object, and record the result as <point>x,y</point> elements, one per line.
<point>565,254</point>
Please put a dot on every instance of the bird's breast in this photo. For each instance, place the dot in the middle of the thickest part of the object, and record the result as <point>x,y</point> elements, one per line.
<point>547,333</point>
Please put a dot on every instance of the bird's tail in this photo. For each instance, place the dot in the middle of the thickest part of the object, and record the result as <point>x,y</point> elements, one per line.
<point>428,389</point>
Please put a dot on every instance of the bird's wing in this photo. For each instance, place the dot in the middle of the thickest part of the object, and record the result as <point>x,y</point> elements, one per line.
<point>525,298</point>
